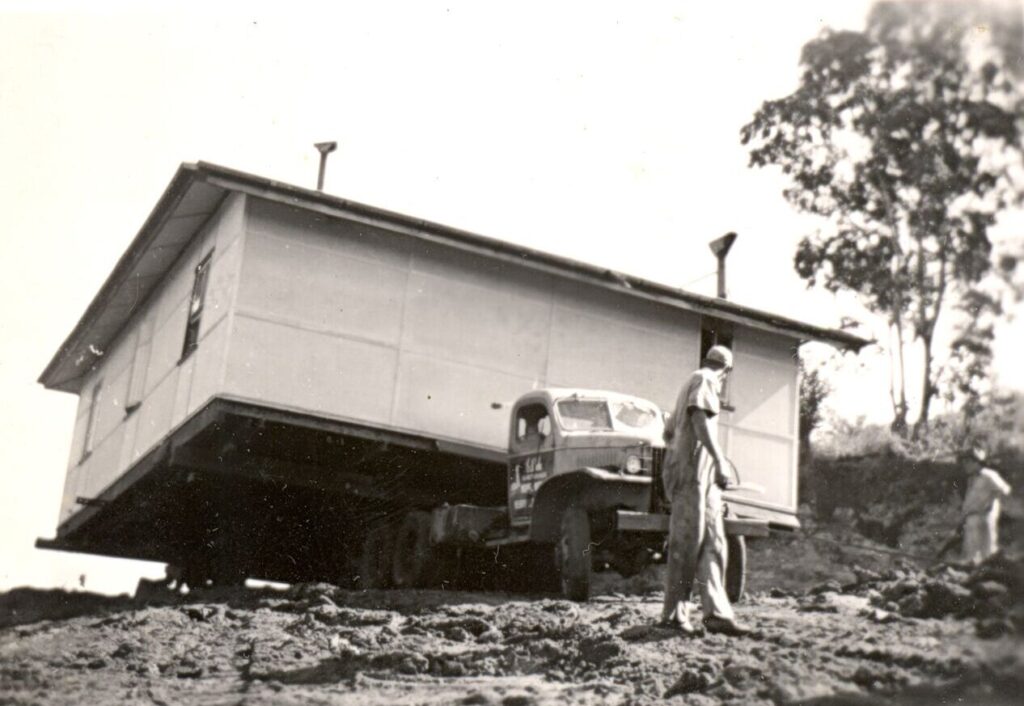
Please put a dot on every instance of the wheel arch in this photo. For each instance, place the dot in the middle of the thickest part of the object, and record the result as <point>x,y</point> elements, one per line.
<point>593,489</point>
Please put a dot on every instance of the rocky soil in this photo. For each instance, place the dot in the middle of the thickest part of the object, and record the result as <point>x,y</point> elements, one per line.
<point>316,644</point>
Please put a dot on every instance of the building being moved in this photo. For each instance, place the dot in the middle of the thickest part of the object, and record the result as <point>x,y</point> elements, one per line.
<point>270,370</point>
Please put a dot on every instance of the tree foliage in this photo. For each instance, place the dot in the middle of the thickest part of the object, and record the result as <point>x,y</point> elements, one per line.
<point>813,391</point>
<point>906,138</point>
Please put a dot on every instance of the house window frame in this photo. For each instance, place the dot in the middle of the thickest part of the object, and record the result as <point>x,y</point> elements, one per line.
<point>714,332</point>
<point>196,305</point>
<point>89,442</point>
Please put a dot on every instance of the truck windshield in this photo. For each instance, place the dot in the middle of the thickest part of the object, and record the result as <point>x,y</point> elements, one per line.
<point>633,415</point>
<point>584,415</point>
<point>607,415</point>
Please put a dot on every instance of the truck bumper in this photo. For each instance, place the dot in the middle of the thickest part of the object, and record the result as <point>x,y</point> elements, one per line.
<point>630,521</point>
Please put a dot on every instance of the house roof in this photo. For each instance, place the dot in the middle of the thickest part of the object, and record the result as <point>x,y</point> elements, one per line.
<point>196,192</point>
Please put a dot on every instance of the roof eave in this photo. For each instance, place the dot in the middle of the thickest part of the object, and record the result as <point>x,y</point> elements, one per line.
<point>177,187</point>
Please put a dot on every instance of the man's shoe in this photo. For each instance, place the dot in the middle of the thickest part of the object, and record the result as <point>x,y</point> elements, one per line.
<point>685,628</point>
<point>725,626</point>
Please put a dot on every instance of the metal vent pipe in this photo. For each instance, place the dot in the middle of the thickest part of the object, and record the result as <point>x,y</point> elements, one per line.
<point>325,149</point>
<point>720,247</point>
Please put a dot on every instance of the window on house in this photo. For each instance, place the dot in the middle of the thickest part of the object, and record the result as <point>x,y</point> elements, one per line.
<point>715,332</point>
<point>90,423</point>
<point>137,377</point>
<point>195,306</point>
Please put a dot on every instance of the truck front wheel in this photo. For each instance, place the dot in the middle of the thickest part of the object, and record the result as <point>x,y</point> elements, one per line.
<point>572,554</point>
<point>736,568</point>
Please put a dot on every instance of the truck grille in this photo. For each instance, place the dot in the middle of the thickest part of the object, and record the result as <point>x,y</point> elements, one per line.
<point>658,502</point>
<point>657,459</point>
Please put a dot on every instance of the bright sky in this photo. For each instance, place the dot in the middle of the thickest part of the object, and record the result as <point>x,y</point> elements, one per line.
<point>605,132</point>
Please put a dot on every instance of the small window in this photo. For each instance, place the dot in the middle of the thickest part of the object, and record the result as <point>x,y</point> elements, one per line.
<point>715,332</point>
<point>533,423</point>
<point>195,307</point>
<point>90,423</point>
<point>137,376</point>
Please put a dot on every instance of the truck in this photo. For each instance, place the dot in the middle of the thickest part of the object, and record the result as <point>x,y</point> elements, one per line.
<point>279,383</point>
<point>583,494</point>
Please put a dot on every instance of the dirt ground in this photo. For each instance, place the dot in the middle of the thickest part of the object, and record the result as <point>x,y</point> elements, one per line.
<point>317,644</point>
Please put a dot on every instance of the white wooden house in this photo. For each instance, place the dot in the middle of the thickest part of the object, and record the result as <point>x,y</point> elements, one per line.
<point>288,340</point>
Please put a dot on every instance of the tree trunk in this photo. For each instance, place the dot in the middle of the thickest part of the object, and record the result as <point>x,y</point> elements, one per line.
<point>927,389</point>
<point>900,408</point>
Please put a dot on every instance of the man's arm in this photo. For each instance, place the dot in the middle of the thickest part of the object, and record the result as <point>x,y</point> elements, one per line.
<point>1001,486</point>
<point>699,417</point>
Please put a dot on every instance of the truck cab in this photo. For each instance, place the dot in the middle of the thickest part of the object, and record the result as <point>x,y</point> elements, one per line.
<point>555,432</point>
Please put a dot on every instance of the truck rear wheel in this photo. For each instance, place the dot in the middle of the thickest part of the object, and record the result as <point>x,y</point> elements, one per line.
<point>412,562</point>
<point>375,559</point>
<point>572,554</point>
<point>736,568</point>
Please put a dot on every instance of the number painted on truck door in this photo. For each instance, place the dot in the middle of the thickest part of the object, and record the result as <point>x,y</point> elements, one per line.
<point>526,474</point>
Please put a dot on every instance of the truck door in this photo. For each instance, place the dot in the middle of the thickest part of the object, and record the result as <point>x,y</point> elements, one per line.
<point>531,459</point>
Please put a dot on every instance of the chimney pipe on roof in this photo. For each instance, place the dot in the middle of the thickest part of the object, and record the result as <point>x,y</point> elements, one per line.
<point>325,149</point>
<point>720,247</point>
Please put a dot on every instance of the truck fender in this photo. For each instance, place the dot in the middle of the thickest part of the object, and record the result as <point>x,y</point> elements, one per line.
<point>593,489</point>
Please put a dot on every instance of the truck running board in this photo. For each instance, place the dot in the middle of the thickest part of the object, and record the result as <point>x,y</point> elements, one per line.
<point>630,521</point>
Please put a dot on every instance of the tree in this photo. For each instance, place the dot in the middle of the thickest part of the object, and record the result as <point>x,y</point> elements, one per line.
<point>813,391</point>
<point>906,138</point>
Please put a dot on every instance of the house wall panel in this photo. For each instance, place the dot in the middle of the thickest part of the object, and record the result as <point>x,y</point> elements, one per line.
<point>453,400</point>
<point>110,412</point>
<point>762,429</point>
<point>166,350</point>
<point>155,415</point>
<point>182,387</point>
<point>102,465</point>
<point>280,364</point>
<point>494,327</point>
<point>72,483</point>
<point>221,287</point>
<point>208,375</point>
<point>78,438</point>
<point>302,282</point>
<point>767,461</point>
<point>479,271</point>
<point>131,428</point>
<point>762,390</point>
<point>607,341</point>
<point>347,238</point>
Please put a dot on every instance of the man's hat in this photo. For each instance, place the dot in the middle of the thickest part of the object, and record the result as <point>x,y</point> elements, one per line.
<point>720,354</point>
<point>974,453</point>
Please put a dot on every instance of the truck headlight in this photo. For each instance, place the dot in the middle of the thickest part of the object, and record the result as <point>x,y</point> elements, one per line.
<point>633,464</point>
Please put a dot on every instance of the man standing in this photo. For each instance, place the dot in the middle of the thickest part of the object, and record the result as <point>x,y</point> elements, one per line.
<point>694,476</point>
<point>980,513</point>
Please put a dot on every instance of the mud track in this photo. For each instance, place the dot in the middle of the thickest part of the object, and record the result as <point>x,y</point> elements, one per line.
<point>316,644</point>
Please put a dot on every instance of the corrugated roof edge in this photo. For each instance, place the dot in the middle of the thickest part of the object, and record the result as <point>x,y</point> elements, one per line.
<point>189,172</point>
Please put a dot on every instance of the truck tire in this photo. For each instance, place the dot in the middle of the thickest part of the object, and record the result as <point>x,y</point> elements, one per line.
<point>196,572</point>
<point>375,558</point>
<point>412,562</point>
<point>226,574</point>
<point>736,568</point>
<point>572,554</point>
